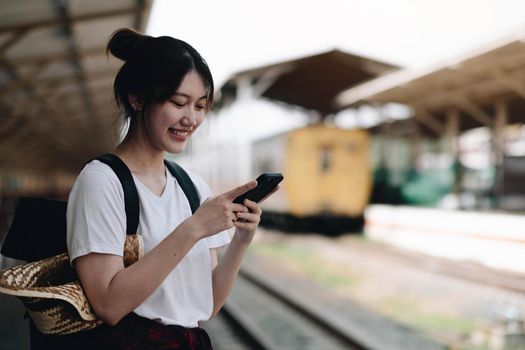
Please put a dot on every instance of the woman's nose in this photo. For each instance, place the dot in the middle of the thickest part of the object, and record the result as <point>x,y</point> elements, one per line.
<point>189,120</point>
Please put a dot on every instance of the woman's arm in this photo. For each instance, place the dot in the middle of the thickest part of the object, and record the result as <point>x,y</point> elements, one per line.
<point>114,291</point>
<point>225,272</point>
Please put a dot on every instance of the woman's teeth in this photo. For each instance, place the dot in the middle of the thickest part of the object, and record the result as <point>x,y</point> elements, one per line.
<point>179,132</point>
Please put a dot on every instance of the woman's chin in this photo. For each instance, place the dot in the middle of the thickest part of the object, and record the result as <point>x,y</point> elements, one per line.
<point>176,149</point>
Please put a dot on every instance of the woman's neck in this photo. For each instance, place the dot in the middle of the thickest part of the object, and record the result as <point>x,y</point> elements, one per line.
<point>140,159</point>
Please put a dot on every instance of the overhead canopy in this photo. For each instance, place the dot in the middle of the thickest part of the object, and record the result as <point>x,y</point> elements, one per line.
<point>310,82</point>
<point>56,101</point>
<point>472,86</point>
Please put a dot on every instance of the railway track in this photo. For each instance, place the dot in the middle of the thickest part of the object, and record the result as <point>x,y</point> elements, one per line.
<point>264,314</point>
<point>272,310</point>
<point>262,317</point>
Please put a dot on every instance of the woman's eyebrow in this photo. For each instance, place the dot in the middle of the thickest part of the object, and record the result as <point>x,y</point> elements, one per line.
<point>188,96</point>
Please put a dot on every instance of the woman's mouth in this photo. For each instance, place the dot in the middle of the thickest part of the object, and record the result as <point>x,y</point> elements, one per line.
<point>179,134</point>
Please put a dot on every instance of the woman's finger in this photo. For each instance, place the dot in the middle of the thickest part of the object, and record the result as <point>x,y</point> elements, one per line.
<point>254,207</point>
<point>238,207</point>
<point>231,195</point>
<point>249,217</point>
<point>248,226</point>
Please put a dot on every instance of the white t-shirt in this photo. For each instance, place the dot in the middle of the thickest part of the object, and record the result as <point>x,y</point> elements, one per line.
<point>96,223</point>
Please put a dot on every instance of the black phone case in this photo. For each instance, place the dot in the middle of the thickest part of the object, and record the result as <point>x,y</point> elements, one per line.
<point>265,184</point>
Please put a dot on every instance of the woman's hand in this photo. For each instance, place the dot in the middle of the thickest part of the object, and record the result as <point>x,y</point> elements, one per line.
<point>220,213</point>
<point>226,271</point>
<point>248,222</point>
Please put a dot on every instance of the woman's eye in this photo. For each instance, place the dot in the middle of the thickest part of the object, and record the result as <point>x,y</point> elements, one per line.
<point>177,104</point>
<point>200,108</point>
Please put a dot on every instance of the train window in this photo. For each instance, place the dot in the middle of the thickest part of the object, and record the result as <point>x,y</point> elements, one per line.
<point>326,158</point>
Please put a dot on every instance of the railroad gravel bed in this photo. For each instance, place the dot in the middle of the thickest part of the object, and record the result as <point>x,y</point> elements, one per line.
<point>421,292</point>
<point>366,326</point>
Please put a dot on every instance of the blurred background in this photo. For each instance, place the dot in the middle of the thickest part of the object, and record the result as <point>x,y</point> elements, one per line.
<point>399,128</point>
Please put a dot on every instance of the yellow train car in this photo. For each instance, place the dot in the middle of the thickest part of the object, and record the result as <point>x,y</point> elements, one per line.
<point>327,178</point>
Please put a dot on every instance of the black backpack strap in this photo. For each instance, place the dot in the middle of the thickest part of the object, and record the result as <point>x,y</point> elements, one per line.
<point>131,197</point>
<point>185,183</point>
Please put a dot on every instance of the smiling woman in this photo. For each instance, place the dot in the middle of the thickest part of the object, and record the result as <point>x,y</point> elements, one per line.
<point>165,89</point>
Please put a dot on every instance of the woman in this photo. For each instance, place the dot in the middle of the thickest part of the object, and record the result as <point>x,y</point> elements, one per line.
<point>165,89</point>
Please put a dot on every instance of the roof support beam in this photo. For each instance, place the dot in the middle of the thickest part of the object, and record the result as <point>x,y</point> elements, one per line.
<point>52,83</point>
<point>415,144</point>
<point>139,20</point>
<point>75,58</point>
<point>16,37</point>
<point>58,57</point>
<point>384,132</point>
<point>453,132</point>
<point>268,78</point>
<point>27,79</point>
<point>507,80</point>
<point>474,110</point>
<point>453,127</point>
<point>44,110</point>
<point>429,120</point>
<point>80,18</point>
<point>498,150</point>
<point>500,123</point>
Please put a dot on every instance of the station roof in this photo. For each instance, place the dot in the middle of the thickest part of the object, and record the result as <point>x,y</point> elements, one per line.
<point>471,85</point>
<point>310,82</point>
<point>56,100</point>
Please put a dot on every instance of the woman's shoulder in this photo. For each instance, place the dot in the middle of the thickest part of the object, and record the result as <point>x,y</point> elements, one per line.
<point>97,166</point>
<point>97,176</point>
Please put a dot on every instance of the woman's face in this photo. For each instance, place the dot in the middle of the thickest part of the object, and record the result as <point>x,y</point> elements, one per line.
<point>170,124</point>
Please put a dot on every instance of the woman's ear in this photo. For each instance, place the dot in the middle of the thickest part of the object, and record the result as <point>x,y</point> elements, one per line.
<point>135,102</point>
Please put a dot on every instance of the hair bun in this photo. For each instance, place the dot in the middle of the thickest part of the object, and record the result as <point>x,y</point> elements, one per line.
<point>127,44</point>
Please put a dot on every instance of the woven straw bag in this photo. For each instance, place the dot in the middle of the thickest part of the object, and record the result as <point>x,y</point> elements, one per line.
<point>52,294</point>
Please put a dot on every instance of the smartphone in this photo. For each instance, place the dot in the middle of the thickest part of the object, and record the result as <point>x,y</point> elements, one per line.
<point>266,182</point>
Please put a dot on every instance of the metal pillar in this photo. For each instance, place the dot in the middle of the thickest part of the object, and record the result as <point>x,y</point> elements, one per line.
<point>452,134</point>
<point>415,145</point>
<point>498,151</point>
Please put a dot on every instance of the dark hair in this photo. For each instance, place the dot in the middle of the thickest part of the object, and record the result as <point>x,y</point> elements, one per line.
<point>154,68</point>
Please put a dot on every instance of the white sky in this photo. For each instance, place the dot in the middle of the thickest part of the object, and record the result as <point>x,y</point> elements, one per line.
<point>234,35</point>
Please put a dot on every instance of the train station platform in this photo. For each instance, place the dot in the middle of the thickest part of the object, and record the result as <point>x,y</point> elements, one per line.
<point>494,239</point>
